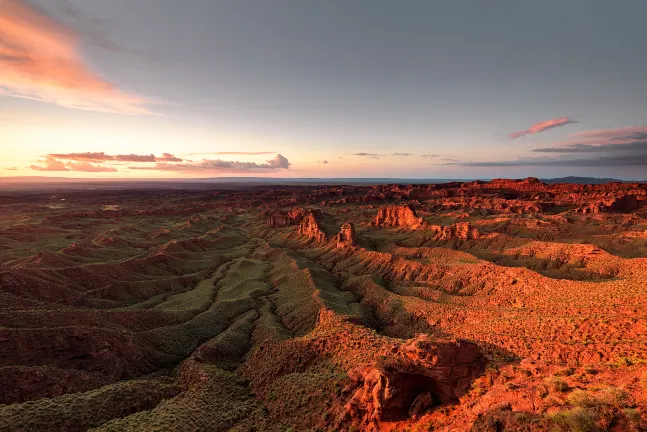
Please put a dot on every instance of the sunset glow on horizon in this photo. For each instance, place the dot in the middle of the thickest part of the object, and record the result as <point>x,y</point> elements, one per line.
<point>155,89</point>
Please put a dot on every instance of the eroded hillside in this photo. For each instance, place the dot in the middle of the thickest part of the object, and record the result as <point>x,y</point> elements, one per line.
<point>486,306</point>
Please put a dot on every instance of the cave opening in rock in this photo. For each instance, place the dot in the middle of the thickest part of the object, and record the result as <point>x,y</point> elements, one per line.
<point>411,395</point>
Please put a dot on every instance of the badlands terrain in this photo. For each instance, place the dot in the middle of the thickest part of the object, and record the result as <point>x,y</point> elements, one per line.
<point>509,305</point>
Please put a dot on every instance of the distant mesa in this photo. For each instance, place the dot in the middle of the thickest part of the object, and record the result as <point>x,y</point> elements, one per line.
<point>279,219</point>
<point>405,216</point>
<point>398,216</point>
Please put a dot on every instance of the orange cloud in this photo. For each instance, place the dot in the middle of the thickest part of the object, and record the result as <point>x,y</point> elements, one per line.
<point>52,164</point>
<point>542,126</point>
<point>40,60</point>
<point>88,167</point>
<point>168,157</point>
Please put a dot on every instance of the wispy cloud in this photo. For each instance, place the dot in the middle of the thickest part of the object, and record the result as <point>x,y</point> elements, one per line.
<point>53,164</point>
<point>542,126</point>
<point>102,157</point>
<point>167,162</point>
<point>595,148</point>
<point>323,161</point>
<point>604,136</point>
<point>368,155</point>
<point>436,158</point>
<point>401,154</point>
<point>218,165</point>
<point>88,167</point>
<point>93,30</point>
<point>231,153</point>
<point>611,133</point>
<point>602,161</point>
<point>40,60</point>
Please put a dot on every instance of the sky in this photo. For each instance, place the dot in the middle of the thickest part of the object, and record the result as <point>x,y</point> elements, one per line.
<point>336,88</point>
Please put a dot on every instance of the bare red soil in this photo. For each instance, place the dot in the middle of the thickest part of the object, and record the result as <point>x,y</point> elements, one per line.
<point>509,305</point>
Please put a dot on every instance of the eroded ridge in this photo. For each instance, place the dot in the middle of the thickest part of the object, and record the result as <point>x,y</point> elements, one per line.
<point>485,306</point>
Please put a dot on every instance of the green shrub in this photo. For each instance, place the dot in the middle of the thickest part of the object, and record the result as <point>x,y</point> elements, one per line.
<point>558,384</point>
<point>578,419</point>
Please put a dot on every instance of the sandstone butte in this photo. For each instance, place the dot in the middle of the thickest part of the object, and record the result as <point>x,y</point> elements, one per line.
<point>509,305</point>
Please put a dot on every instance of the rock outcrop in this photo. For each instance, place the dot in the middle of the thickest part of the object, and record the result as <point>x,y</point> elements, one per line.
<point>460,230</point>
<point>426,372</point>
<point>398,216</point>
<point>621,204</point>
<point>280,219</point>
<point>346,236</point>
<point>310,228</point>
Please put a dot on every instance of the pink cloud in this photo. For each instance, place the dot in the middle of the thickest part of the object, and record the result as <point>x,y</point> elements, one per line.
<point>87,156</point>
<point>134,158</point>
<point>168,157</point>
<point>102,157</point>
<point>88,167</point>
<point>52,164</point>
<point>40,60</point>
<point>542,126</point>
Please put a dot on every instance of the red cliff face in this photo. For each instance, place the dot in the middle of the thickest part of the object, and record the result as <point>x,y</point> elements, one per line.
<point>279,219</point>
<point>628,203</point>
<point>459,230</point>
<point>423,373</point>
<point>346,237</point>
<point>622,203</point>
<point>398,216</point>
<point>404,216</point>
<point>309,227</point>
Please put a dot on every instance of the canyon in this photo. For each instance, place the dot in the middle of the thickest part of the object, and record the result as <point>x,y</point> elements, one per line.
<point>508,305</point>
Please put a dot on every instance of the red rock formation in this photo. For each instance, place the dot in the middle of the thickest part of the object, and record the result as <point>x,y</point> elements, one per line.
<point>404,216</point>
<point>73,247</point>
<point>555,301</point>
<point>310,228</point>
<point>398,216</point>
<point>460,230</point>
<point>425,372</point>
<point>279,219</point>
<point>623,203</point>
<point>346,237</point>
